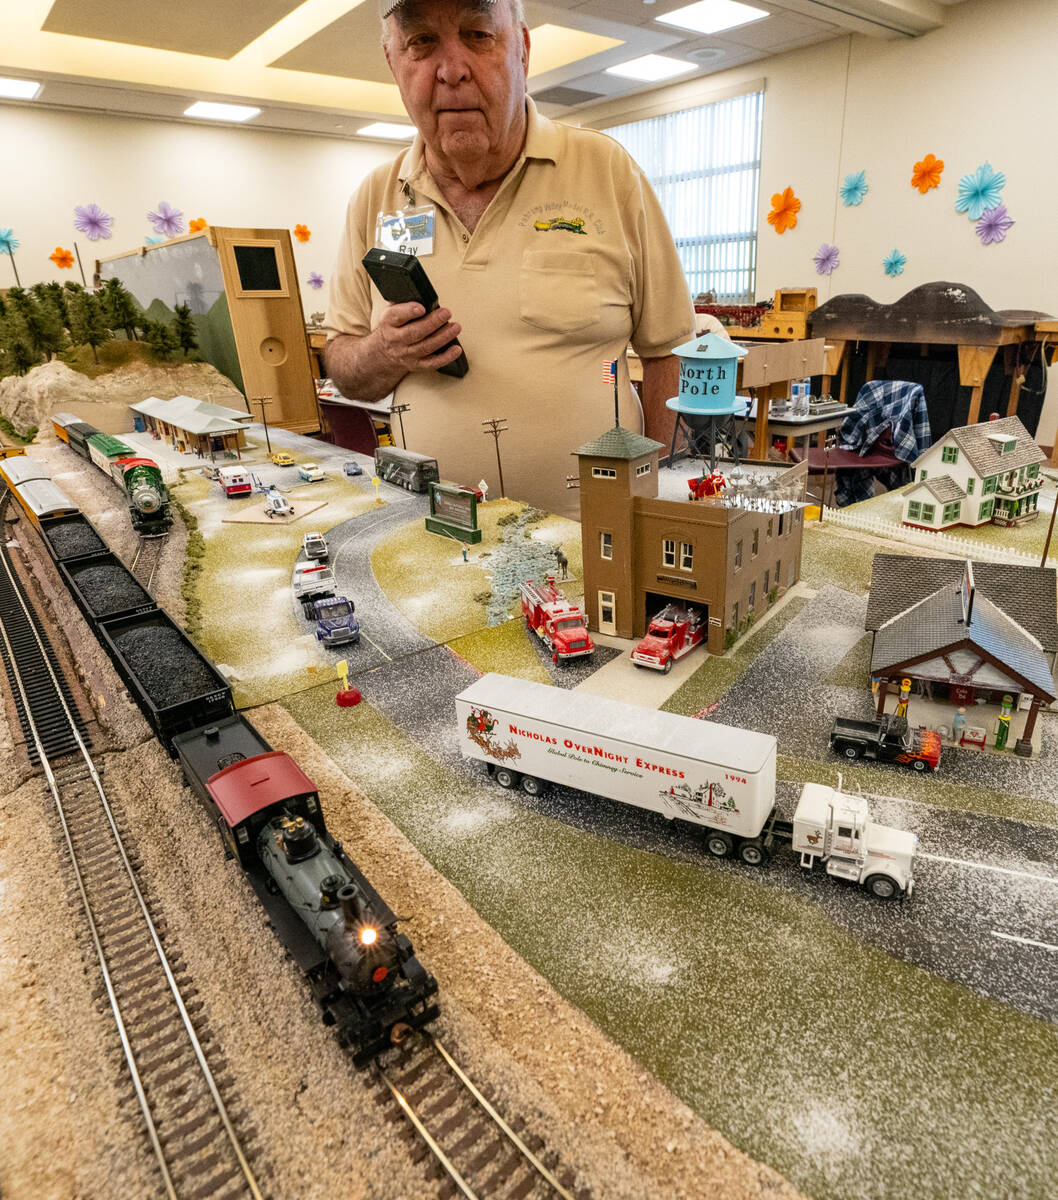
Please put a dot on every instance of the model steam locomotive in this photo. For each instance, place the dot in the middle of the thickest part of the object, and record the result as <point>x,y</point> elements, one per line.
<point>344,938</point>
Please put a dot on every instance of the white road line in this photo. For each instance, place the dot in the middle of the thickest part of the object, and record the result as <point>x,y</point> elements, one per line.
<point>962,862</point>
<point>376,645</point>
<point>1009,937</point>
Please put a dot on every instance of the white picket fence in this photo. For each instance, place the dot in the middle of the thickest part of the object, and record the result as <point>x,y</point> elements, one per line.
<point>947,543</point>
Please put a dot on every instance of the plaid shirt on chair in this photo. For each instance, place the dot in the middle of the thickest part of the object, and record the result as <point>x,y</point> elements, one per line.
<point>882,405</point>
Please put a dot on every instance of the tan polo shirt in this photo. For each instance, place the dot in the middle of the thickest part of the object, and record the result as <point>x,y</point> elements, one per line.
<point>571,261</point>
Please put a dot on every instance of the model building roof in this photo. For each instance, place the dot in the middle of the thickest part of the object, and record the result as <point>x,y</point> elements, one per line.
<point>976,442</point>
<point>618,443</point>
<point>1028,595</point>
<point>935,624</point>
<point>942,488</point>
<point>193,416</point>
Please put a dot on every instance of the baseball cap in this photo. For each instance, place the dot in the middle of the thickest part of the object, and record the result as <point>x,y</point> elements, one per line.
<point>385,7</point>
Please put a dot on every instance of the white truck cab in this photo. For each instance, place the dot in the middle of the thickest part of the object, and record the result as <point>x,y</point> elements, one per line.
<point>837,829</point>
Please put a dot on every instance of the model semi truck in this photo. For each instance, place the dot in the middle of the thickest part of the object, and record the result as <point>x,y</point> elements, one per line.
<point>888,739</point>
<point>559,624</point>
<point>715,776</point>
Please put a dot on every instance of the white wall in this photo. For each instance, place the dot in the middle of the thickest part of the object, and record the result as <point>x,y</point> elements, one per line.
<point>56,160</point>
<point>983,88</point>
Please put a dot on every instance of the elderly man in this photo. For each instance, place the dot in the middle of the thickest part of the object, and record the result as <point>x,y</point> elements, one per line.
<point>546,242</point>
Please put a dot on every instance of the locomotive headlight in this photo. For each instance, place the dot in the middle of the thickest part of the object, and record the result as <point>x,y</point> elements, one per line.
<point>368,936</point>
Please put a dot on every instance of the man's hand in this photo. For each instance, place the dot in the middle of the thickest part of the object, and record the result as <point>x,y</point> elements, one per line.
<point>406,339</point>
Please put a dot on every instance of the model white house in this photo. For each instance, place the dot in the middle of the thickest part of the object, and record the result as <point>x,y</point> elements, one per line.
<point>976,474</point>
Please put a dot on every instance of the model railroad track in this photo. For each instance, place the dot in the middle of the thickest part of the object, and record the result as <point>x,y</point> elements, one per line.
<point>196,1142</point>
<point>148,556</point>
<point>477,1153</point>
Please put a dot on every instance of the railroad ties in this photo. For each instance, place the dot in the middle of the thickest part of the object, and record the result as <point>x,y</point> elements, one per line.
<point>477,1155</point>
<point>148,556</point>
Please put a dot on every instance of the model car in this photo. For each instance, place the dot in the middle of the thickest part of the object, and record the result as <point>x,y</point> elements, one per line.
<point>311,473</point>
<point>353,468</point>
<point>282,459</point>
<point>315,546</point>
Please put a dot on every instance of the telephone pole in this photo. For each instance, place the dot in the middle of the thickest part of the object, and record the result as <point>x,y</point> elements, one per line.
<point>400,409</point>
<point>262,401</point>
<point>496,426</point>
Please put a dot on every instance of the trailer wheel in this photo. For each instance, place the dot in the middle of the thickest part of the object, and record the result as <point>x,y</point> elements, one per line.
<point>533,786</point>
<point>719,845</point>
<point>752,852</point>
<point>505,778</point>
<point>919,764</point>
<point>881,887</point>
<point>851,752</point>
<point>306,610</point>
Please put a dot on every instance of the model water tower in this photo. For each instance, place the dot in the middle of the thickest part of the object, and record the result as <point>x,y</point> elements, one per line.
<point>706,406</point>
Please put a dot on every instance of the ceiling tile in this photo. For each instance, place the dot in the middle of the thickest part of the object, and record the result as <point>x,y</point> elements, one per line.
<point>350,47</point>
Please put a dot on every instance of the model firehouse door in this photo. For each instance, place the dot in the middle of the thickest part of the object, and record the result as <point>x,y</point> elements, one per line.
<point>607,613</point>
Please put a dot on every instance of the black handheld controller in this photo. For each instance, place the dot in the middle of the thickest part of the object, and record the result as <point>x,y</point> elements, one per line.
<point>401,279</point>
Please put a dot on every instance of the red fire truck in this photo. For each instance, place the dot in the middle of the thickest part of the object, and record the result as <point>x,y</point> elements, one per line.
<point>559,624</point>
<point>674,632</point>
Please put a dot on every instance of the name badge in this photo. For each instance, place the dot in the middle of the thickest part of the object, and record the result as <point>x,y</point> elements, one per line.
<point>410,231</point>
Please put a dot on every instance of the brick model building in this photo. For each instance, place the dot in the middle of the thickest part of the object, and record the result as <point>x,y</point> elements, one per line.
<point>642,552</point>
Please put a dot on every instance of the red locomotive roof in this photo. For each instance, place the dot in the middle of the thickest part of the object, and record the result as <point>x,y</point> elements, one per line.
<point>135,462</point>
<point>248,786</point>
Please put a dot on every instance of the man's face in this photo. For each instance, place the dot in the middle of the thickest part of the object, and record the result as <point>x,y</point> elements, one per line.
<point>461,69</point>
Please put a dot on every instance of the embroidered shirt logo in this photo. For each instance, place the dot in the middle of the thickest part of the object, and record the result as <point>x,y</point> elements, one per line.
<point>573,225</point>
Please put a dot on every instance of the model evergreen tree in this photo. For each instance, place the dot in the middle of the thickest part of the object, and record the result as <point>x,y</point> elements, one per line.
<point>162,339</point>
<point>184,329</point>
<point>56,297</point>
<point>88,326</point>
<point>119,307</point>
<point>36,325</point>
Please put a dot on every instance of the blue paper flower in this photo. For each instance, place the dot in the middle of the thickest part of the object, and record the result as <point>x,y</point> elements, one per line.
<point>315,280</point>
<point>92,221</point>
<point>827,259</point>
<point>153,241</point>
<point>854,188</point>
<point>980,191</point>
<point>895,263</point>
<point>167,221</point>
<point>8,242</point>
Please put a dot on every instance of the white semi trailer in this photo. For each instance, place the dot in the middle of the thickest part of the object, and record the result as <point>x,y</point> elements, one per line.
<point>719,777</point>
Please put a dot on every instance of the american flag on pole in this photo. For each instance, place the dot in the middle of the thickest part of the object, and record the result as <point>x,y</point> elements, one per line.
<point>609,371</point>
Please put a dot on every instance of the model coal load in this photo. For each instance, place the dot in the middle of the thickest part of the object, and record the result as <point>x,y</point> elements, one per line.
<point>73,537</point>
<point>363,972</point>
<point>558,623</point>
<point>714,776</point>
<point>104,587</point>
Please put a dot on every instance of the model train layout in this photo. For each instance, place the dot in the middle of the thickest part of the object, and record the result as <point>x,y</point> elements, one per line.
<point>362,971</point>
<point>139,478</point>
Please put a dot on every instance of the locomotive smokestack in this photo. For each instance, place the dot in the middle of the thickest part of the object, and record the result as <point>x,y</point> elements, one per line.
<point>352,906</point>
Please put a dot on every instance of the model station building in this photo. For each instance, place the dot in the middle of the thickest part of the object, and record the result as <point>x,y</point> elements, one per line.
<point>643,550</point>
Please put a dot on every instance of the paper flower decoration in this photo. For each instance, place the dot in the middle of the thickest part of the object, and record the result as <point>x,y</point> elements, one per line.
<point>784,209</point>
<point>92,221</point>
<point>8,242</point>
<point>895,263</point>
<point>854,189</point>
<point>980,191</point>
<point>827,259</point>
<point>927,173</point>
<point>153,241</point>
<point>315,280</point>
<point>993,225</point>
<point>197,225</point>
<point>167,221</point>
<point>302,233</point>
<point>63,259</point>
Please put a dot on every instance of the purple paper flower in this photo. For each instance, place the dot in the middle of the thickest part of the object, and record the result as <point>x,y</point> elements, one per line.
<point>980,191</point>
<point>894,263</point>
<point>167,221</point>
<point>853,190</point>
<point>315,280</point>
<point>993,225</point>
<point>92,221</point>
<point>827,259</point>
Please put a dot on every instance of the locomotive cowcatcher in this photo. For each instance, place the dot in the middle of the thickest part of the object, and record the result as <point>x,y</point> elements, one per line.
<point>341,934</point>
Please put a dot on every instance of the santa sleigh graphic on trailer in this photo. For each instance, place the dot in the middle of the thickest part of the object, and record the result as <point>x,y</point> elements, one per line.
<point>685,801</point>
<point>481,725</point>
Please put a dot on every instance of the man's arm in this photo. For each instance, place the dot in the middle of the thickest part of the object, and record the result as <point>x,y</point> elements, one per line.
<point>661,381</point>
<point>370,367</point>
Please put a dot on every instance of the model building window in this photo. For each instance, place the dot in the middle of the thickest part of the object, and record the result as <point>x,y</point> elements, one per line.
<point>603,473</point>
<point>756,542</point>
<point>767,580</point>
<point>771,525</point>
<point>643,470</point>
<point>606,545</point>
<point>985,511</point>
<point>752,603</point>
<point>686,556</point>
<point>950,454</point>
<point>781,515</point>
<point>668,552</point>
<point>734,616</point>
<point>928,513</point>
<point>924,475</point>
<point>951,512</point>
<point>708,190</point>
<point>258,268</point>
<point>778,572</point>
<point>1032,470</point>
<point>738,555</point>
<point>970,486</point>
<point>914,510</point>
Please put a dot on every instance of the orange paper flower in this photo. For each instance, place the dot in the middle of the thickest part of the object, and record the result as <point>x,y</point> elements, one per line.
<point>62,258</point>
<point>302,233</point>
<point>784,209</point>
<point>197,225</point>
<point>927,173</point>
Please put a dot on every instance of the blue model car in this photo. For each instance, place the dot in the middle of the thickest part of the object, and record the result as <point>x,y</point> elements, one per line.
<point>335,623</point>
<point>353,468</point>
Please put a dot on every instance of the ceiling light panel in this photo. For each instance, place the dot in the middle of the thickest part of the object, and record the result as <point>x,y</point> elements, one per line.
<point>221,112</point>
<point>713,16</point>
<point>384,129</point>
<point>19,89</point>
<point>651,68</point>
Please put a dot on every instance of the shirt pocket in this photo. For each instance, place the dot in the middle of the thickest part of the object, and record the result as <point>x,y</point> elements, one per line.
<point>558,290</point>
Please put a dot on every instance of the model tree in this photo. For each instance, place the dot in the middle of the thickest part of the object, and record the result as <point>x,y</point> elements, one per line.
<point>37,326</point>
<point>119,308</point>
<point>184,329</point>
<point>161,338</point>
<point>88,325</point>
<point>16,356</point>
